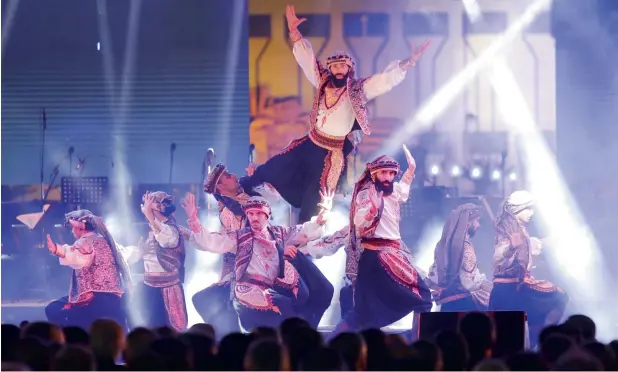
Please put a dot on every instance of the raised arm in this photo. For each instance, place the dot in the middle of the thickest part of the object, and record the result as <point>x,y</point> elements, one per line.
<point>394,74</point>
<point>327,245</point>
<point>367,206</point>
<point>202,239</point>
<point>402,188</point>
<point>383,82</point>
<point>302,49</point>
<point>215,242</point>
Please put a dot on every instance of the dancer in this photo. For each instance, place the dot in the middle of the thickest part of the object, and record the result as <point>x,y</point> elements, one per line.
<point>163,254</point>
<point>100,274</point>
<point>514,286</point>
<point>317,160</point>
<point>265,289</point>
<point>228,192</point>
<point>454,276</point>
<point>386,285</point>
<point>214,303</point>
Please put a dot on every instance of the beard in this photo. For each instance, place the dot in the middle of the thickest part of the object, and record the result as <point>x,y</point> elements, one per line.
<point>339,82</point>
<point>386,187</point>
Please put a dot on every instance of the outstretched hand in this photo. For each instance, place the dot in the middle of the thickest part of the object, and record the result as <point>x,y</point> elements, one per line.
<point>409,158</point>
<point>147,204</point>
<point>51,245</point>
<point>416,54</point>
<point>188,204</point>
<point>326,199</point>
<point>293,20</point>
<point>251,169</point>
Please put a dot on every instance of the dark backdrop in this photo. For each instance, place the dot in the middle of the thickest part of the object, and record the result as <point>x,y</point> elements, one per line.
<point>184,87</point>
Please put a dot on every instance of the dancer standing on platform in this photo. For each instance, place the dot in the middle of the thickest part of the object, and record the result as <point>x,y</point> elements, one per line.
<point>163,252</point>
<point>100,274</point>
<point>317,160</point>
<point>265,289</point>
<point>454,276</point>
<point>514,286</point>
<point>386,285</point>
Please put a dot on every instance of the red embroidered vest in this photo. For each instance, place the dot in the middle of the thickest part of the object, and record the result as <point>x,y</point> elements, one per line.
<point>355,93</point>
<point>172,260</point>
<point>244,249</point>
<point>101,276</point>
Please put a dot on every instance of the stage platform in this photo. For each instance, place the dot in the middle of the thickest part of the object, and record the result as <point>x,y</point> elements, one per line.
<point>14,312</point>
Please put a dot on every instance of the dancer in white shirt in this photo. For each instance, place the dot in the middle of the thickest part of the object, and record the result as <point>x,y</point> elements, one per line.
<point>386,285</point>
<point>316,161</point>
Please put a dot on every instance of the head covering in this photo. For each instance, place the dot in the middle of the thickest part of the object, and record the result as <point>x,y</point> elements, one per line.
<point>87,217</point>
<point>518,201</point>
<point>167,201</point>
<point>162,197</point>
<point>383,162</point>
<point>256,203</point>
<point>449,250</point>
<point>340,56</point>
<point>210,184</point>
<point>82,215</point>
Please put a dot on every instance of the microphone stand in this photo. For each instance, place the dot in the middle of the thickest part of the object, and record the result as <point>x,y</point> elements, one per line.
<point>172,150</point>
<point>52,179</point>
<point>251,153</point>
<point>42,174</point>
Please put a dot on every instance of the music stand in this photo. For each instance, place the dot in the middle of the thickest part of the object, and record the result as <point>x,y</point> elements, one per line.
<point>78,191</point>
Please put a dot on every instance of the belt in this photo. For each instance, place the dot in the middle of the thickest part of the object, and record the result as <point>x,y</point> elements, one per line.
<point>325,141</point>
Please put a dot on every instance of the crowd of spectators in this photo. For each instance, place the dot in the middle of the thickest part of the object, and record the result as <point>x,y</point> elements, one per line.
<point>41,346</point>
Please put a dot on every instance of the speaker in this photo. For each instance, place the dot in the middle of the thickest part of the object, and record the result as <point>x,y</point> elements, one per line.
<point>510,328</point>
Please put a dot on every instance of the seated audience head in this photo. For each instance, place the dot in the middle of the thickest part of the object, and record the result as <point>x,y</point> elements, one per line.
<point>266,355</point>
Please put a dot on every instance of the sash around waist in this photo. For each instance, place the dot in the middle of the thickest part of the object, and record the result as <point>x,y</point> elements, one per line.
<point>379,244</point>
<point>325,141</point>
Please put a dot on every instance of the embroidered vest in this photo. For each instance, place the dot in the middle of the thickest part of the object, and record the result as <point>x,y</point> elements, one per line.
<point>231,222</point>
<point>354,249</point>
<point>244,249</point>
<point>355,93</point>
<point>101,276</point>
<point>172,260</point>
<point>516,266</point>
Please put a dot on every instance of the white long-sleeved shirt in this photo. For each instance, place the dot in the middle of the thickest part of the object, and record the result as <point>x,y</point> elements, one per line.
<point>388,227</point>
<point>70,255</point>
<point>339,119</point>
<point>265,260</point>
<point>327,245</point>
<point>167,237</point>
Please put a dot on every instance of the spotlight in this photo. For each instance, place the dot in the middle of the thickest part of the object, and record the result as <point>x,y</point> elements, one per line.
<point>495,175</point>
<point>455,171</point>
<point>513,176</point>
<point>476,172</point>
<point>99,46</point>
<point>435,170</point>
